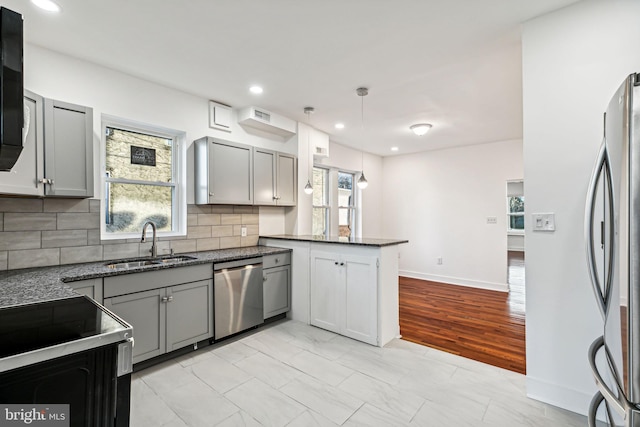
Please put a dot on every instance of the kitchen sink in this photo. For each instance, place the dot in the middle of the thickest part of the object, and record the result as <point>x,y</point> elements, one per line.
<point>152,261</point>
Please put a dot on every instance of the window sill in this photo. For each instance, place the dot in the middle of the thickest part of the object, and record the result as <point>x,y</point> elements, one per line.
<point>515,232</point>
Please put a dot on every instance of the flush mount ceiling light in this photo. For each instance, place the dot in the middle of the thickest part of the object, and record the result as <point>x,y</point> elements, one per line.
<point>420,128</point>
<point>48,5</point>
<point>257,90</point>
<point>308,189</point>
<point>339,125</point>
<point>362,92</point>
<point>394,149</point>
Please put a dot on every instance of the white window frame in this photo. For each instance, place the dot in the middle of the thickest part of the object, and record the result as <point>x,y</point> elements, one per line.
<point>327,208</point>
<point>514,231</point>
<point>179,205</point>
<point>332,208</point>
<point>353,208</point>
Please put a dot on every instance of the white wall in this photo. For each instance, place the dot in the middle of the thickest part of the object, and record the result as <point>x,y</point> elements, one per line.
<point>573,61</point>
<point>111,92</point>
<point>440,201</point>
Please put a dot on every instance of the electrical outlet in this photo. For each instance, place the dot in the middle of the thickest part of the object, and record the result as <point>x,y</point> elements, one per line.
<point>439,260</point>
<point>243,231</point>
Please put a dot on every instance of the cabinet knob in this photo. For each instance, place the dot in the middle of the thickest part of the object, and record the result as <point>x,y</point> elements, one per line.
<point>211,194</point>
<point>277,260</point>
<point>164,299</point>
<point>342,263</point>
<point>336,263</point>
<point>46,181</point>
<point>264,278</point>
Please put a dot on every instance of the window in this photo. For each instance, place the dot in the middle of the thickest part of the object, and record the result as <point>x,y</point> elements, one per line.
<point>320,223</point>
<point>346,206</point>
<point>142,170</point>
<point>515,205</point>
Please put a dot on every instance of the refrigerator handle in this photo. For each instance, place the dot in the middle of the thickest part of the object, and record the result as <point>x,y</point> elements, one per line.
<point>601,162</point>
<point>621,406</point>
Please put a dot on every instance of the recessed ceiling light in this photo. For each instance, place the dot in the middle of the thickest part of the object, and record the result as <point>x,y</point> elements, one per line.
<point>394,148</point>
<point>339,125</point>
<point>256,90</point>
<point>48,5</point>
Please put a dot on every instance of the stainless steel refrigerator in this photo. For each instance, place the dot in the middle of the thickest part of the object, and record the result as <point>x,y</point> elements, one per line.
<point>612,234</point>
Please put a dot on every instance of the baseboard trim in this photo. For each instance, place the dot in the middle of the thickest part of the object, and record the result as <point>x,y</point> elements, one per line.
<point>501,287</point>
<point>558,395</point>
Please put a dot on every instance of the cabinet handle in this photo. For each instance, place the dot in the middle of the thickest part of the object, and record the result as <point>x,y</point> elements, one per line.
<point>211,194</point>
<point>336,263</point>
<point>342,263</point>
<point>277,260</point>
<point>46,181</point>
<point>169,299</point>
<point>264,278</point>
<point>164,299</point>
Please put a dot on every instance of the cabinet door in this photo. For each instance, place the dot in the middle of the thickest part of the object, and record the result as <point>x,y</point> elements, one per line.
<point>23,178</point>
<point>287,178</point>
<point>189,314</point>
<point>361,298</point>
<point>276,290</point>
<point>230,173</point>
<point>145,311</point>
<point>326,291</point>
<point>91,288</point>
<point>68,149</point>
<point>264,177</point>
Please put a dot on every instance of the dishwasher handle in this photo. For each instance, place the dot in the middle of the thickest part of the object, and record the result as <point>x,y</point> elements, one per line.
<point>242,267</point>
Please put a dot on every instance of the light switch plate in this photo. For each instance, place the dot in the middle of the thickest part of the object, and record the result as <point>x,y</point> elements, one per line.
<point>492,220</point>
<point>544,221</point>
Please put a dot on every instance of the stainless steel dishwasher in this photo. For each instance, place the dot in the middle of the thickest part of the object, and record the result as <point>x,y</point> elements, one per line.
<point>237,296</point>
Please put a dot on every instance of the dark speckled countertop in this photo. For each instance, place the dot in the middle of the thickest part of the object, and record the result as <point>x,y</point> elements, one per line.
<point>32,285</point>
<point>341,240</point>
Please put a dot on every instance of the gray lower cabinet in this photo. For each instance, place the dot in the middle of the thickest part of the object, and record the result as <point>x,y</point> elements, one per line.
<point>163,318</point>
<point>276,289</point>
<point>91,288</point>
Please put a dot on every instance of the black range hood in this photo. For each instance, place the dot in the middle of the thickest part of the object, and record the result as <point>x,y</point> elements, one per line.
<point>11,88</point>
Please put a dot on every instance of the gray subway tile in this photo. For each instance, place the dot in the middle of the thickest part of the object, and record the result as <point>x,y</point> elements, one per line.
<point>33,258</point>
<point>15,240</point>
<point>93,237</point>
<point>94,205</point>
<point>75,221</point>
<point>198,209</point>
<point>64,238</point>
<point>222,231</point>
<point>243,209</point>
<point>29,221</point>
<point>208,219</point>
<point>222,209</point>
<point>1,221</point>
<point>8,204</point>
<point>250,219</point>
<point>199,232</point>
<point>207,244</point>
<point>182,246</point>
<point>162,248</point>
<point>251,230</point>
<point>4,256</point>
<point>192,220</point>
<point>121,250</point>
<point>79,254</point>
<point>230,242</point>
<point>66,205</point>
<point>249,241</point>
<point>230,219</point>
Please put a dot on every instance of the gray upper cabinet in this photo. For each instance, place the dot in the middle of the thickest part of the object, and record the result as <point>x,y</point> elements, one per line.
<point>286,172</point>
<point>223,172</point>
<point>57,157</point>
<point>68,142</point>
<point>274,178</point>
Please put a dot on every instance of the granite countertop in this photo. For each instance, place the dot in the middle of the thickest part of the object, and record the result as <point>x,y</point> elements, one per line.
<point>33,285</point>
<point>341,240</point>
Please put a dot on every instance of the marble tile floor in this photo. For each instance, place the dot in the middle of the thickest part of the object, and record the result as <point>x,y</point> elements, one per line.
<point>292,374</point>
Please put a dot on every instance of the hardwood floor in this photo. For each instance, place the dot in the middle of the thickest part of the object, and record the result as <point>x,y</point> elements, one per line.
<point>487,326</point>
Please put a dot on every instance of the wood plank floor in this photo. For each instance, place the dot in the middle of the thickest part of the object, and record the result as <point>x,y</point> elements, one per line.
<point>483,325</point>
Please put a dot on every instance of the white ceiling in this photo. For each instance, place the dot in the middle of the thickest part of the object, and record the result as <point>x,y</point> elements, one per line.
<point>452,63</point>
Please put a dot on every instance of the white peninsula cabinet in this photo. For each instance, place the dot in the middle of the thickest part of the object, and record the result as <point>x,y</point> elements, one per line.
<point>347,287</point>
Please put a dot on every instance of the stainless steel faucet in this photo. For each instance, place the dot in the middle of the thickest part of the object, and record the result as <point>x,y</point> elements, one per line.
<point>154,247</point>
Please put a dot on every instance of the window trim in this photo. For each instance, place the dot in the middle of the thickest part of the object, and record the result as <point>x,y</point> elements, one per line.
<point>178,175</point>
<point>333,208</point>
<point>327,207</point>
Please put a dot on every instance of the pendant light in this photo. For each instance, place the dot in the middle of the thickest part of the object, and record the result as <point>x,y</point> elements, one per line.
<point>362,92</point>
<point>308,189</point>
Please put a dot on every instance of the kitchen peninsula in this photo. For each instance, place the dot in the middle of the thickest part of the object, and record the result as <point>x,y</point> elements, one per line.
<point>344,285</point>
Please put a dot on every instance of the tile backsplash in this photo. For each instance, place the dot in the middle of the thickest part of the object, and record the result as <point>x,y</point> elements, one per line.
<point>43,232</point>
